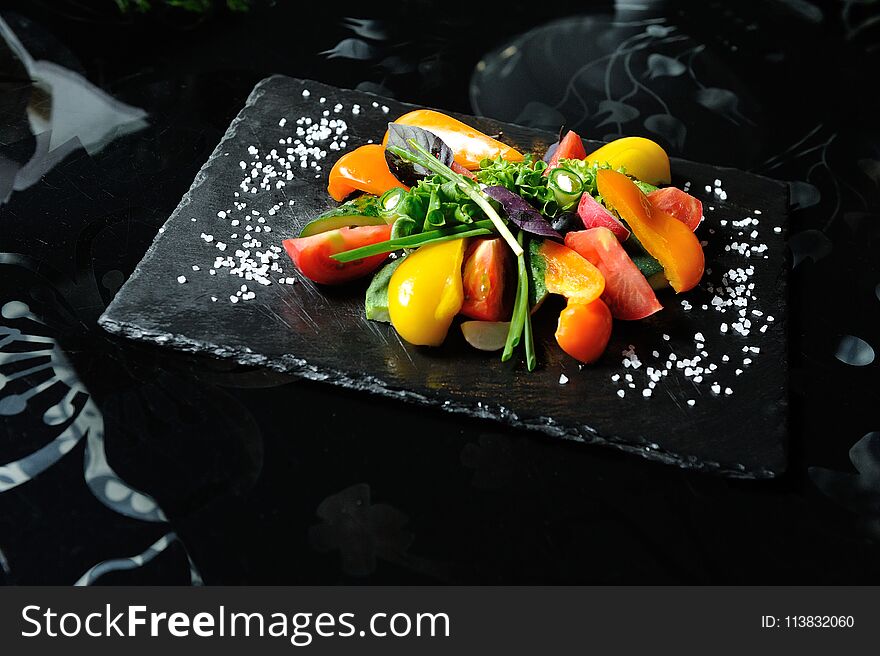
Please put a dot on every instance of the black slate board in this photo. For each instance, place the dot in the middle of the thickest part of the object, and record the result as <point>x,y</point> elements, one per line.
<point>321,334</point>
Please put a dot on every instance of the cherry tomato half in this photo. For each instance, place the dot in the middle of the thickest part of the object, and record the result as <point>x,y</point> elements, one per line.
<point>584,330</point>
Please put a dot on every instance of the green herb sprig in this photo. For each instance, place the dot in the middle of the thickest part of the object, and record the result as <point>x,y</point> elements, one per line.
<point>475,229</point>
<point>525,178</point>
<point>521,318</point>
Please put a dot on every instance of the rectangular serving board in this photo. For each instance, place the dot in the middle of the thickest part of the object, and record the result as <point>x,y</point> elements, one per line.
<point>321,333</point>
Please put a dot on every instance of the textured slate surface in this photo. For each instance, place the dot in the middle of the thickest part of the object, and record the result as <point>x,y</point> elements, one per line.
<point>321,334</point>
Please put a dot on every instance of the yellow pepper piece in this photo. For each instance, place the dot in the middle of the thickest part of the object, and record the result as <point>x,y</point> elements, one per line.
<point>642,158</point>
<point>469,146</point>
<point>425,292</point>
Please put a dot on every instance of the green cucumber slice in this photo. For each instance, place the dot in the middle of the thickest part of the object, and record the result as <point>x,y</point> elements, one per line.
<point>361,211</point>
<point>376,301</point>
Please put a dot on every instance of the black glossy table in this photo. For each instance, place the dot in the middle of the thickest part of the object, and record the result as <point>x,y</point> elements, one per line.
<point>122,463</point>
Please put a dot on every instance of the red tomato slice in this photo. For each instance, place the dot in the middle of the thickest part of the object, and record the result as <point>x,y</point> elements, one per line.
<point>594,215</point>
<point>311,255</point>
<point>571,147</point>
<point>678,204</point>
<point>485,277</point>
<point>627,292</point>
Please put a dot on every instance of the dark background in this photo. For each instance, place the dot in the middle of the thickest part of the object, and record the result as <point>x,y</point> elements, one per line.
<point>226,475</point>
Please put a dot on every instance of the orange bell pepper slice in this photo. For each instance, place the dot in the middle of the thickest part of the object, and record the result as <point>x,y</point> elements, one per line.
<point>569,274</point>
<point>362,169</point>
<point>469,146</point>
<point>666,238</point>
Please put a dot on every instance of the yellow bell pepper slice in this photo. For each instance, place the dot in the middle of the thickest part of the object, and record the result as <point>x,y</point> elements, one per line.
<point>641,158</point>
<point>425,292</point>
<point>666,238</point>
<point>469,146</point>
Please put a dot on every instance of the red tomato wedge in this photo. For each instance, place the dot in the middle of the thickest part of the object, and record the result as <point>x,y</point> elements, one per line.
<point>679,204</point>
<point>669,240</point>
<point>571,147</point>
<point>627,293</point>
<point>311,255</point>
<point>594,215</point>
<point>486,277</point>
<point>363,169</point>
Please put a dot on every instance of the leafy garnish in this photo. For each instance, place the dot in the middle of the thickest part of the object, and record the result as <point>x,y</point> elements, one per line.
<point>470,188</point>
<point>406,170</point>
<point>520,212</point>
<point>525,178</point>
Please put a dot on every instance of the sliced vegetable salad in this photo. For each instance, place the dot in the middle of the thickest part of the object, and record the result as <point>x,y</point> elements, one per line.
<point>477,229</point>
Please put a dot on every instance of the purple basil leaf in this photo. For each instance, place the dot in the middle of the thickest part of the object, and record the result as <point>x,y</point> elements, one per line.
<point>408,172</point>
<point>521,213</point>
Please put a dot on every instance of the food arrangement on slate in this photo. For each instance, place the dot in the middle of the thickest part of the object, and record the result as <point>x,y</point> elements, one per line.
<point>451,225</point>
<point>458,221</point>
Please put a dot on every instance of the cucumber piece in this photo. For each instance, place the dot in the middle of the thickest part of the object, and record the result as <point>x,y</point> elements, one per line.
<point>648,266</point>
<point>376,301</point>
<point>647,263</point>
<point>658,281</point>
<point>390,201</point>
<point>537,268</point>
<point>566,185</point>
<point>361,211</point>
